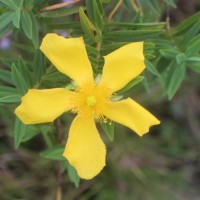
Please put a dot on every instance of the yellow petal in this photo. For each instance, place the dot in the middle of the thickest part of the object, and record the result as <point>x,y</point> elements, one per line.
<point>123,65</point>
<point>39,106</point>
<point>85,150</point>
<point>69,56</point>
<point>132,115</point>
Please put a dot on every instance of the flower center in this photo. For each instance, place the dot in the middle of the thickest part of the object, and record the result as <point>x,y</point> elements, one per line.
<point>91,100</point>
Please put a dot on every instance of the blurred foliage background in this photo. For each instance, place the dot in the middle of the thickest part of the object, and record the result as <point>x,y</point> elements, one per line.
<point>162,165</point>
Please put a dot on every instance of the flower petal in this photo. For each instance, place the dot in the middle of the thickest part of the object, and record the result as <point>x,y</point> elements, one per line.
<point>69,56</point>
<point>132,115</point>
<point>85,150</point>
<point>40,106</point>
<point>123,65</point>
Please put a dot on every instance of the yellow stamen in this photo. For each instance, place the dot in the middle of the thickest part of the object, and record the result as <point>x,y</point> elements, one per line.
<point>91,100</point>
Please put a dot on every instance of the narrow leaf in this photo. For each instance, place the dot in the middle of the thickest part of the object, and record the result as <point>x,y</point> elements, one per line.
<point>38,61</point>
<point>35,36</point>
<point>25,72</point>
<point>97,14</point>
<point>73,175</point>
<point>5,19</point>
<point>15,98</point>
<point>19,132</point>
<point>90,10</point>
<point>16,18</point>
<point>193,46</point>
<point>18,79</point>
<point>151,68</point>
<point>54,153</point>
<point>132,83</point>
<point>139,26</point>
<point>108,128</point>
<point>26,24</point>
<point>31,131</point>
<point>169,53</point>
<point>171,3</point>
<point>176,80</point>
<point>9,4</point>
<point>131,35</point>
<point>186,24</point>
<point>87,25</point>
<point>5,76</point>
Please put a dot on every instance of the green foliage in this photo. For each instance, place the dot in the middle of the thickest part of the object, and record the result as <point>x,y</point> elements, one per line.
<point>54,153</point>
<point>170,53</point>
<point>108,128</point>
<point>19,132</point>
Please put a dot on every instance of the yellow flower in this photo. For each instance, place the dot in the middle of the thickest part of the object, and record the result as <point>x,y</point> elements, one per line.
<point>91,101</point>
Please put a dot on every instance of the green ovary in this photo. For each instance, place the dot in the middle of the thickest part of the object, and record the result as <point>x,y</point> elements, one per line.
<point>91,100</point>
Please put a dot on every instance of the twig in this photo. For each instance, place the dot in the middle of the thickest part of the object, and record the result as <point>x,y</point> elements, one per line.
<point>137,7</point>
<point>59,182</point>
<point>168,16</point>
<point>59,5</point>
<point>98,47</point>
<point>59,172</point>
<point>58,130</point>
<point>115,10</point>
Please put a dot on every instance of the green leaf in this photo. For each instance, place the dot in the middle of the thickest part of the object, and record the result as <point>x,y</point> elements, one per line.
<point>19,132</point>
<point>154,6</point>
<point>151,68</point>
<point>87,26</point>
<point>186,24</point>
<point>30,3</point>
<point>131,35</point>
<point>25,72</point>
<point>181,58</point>
<point>195,67</point>
<point>55,153</point>
<point>9,4</point>
<point>16,18</point>
<point>6,91</point>
<point>65,25</point>
<point>15,98</point>
<point>5,20</point>
<point>98,11</point>
<point>100,7</point>
<point>111,47</point>
<point>74,178</point>
<point>91,49</point>
<point>35,36</point>
<point>26,24</point>
<point>194,63</point>
<point>171,3</point>
<point>38,61</point>
<point>5,30</point>
<point>5,76</point>
<point>193,46</point>
<point>140,26</point>
<point>31,132</point>
<point>90,10</point>
<point>169,53</point>
<point>60,12</point>
<point>18,79</point>
<point>196,59</point>
<point>108,128</point>
<point>132,83</point>
<point>190,34</point>
<point>105,1</point>
<point>176,80</point>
